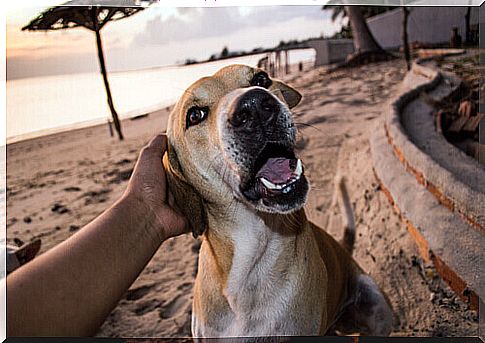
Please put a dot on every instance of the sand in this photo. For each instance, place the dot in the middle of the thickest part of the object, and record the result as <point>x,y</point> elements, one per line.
<point>58,183</point>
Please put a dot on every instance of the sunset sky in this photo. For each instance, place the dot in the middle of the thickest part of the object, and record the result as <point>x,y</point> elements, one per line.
<point>156,36</point>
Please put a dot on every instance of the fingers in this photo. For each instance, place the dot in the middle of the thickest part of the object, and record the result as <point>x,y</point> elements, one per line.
<point>158,145</point>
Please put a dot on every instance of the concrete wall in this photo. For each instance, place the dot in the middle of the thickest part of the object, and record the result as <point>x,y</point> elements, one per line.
<point>331,50</point>
<point>431,25</point>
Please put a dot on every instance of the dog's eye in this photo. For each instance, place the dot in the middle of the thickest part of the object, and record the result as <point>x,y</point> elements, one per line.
<point>195,115</point>
<point>261,79</point>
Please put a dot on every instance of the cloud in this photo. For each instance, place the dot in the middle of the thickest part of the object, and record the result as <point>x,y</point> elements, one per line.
<point>153,38</point>
<point>199,23</point>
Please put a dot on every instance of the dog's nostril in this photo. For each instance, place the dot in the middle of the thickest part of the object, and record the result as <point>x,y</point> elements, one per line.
<point>268,109</point>
<point>239,118</point>
<point>268,105</point>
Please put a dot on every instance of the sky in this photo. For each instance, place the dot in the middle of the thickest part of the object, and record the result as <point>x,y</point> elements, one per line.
<point>156,36</point>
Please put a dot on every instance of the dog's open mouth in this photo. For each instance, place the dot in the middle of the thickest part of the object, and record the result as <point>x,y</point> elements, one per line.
<point>279,173</point>
<point>277,176</point>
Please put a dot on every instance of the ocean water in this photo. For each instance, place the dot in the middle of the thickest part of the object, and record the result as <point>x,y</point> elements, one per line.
<point>43,105</point>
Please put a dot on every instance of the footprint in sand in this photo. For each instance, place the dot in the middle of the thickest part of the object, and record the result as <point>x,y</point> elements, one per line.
<point>119,176</point>
<point>73,228</point>
<point>72,189</point>
<point>11,221</point>
<point>96,197</point>
<point>146,306</point>
<point>184,286</point>
<point>59,208</point>
<point>138,293</point>
<point>174,307</point>
<point>123,162</point>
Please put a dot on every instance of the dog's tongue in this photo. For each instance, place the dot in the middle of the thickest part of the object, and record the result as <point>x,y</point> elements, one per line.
<point>276,170</point>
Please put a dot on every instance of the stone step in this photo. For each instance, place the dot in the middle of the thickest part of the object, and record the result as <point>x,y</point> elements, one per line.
<point>442,236</point>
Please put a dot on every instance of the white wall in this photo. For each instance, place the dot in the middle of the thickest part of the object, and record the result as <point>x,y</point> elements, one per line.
<point>430,25</point>
<point>331,50</point>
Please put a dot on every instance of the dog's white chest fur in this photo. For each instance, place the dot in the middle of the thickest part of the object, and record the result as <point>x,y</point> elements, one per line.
<point>263,286</point>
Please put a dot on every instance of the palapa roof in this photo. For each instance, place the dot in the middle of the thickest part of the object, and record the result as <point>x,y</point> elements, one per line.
<point>92,15</point>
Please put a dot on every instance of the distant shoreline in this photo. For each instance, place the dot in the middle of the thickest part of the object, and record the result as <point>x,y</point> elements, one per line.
<point>147,109</point>
<point>181,64</point>
<point>167,66</point>
<point>91,124</point>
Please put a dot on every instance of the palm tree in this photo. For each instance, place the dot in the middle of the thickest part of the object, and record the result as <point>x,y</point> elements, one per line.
<point>94,18</point>
<point>364,41</point>
<point>366,47</point>
<point>405,38</point>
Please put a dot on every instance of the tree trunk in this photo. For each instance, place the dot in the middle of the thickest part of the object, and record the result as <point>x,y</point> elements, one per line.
<point>467,25</point>
<point>363,39</point>
<point>405,40</point>
<point>105,76</point>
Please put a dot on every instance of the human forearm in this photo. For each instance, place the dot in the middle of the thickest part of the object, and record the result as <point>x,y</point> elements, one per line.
<point>70,289</point>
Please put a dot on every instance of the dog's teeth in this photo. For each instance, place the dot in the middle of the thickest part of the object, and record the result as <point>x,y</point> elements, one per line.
<point>268,184</point>
<point>298,169</point>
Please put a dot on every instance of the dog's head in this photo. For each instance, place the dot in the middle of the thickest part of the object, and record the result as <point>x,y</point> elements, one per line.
<point>231,137</point>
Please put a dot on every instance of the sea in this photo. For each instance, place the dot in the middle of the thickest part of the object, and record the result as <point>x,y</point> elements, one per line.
<point>43,105</point>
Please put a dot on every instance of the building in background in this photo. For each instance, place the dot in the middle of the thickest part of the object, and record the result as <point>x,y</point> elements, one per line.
<point>422,24</point>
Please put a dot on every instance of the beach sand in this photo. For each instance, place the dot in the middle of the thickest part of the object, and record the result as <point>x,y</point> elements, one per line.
<point>58,183</point>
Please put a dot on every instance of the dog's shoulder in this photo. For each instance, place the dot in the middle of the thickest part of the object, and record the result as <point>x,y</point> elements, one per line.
<point>340,265</point>
<point>328,246</point>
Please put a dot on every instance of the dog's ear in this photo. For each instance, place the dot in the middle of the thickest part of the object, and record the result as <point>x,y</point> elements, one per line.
<point>290,95</point>
<point>187,198</point>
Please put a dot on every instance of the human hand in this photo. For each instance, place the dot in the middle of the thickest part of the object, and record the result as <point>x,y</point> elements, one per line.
<point>148,189</point>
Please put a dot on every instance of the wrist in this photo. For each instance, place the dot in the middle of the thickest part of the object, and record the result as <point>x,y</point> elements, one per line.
<point>141,215</point>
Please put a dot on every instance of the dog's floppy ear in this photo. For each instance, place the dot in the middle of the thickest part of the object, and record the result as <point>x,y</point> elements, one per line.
<point>187,198</point>
<point>290,95</point>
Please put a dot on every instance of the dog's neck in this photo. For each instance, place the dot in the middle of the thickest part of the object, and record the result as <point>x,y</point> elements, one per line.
<point>243,242</point>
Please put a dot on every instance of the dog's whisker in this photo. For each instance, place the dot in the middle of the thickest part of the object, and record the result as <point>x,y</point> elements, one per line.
<point>308,125</point>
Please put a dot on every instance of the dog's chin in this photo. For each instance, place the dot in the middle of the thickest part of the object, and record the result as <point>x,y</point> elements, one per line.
<point>283,203</point>
<point>277,183</point>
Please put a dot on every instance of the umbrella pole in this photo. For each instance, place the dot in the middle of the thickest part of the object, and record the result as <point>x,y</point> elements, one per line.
<point>106,84</point>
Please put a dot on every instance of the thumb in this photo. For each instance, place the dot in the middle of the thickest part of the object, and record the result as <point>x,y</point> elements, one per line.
<point>175,223</point>
<point>158,145</point>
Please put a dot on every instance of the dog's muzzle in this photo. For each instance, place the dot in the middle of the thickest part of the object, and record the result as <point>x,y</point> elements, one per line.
<point>262,146</point>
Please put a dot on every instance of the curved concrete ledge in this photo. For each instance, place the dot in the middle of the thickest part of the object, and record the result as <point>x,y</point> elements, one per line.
<point>457,182</point>
<point>441,199</point>
<point>441,235</point>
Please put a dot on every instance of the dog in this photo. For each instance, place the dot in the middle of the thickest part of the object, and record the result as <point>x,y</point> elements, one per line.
<point>264,269</point>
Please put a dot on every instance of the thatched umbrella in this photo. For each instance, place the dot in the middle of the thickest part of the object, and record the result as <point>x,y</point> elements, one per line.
<point>81,13</point>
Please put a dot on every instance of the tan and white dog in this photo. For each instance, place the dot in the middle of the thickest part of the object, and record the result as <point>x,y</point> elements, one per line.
<point>264,269</point>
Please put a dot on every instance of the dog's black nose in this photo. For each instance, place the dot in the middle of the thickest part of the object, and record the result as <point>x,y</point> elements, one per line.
<point>256,106</point>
